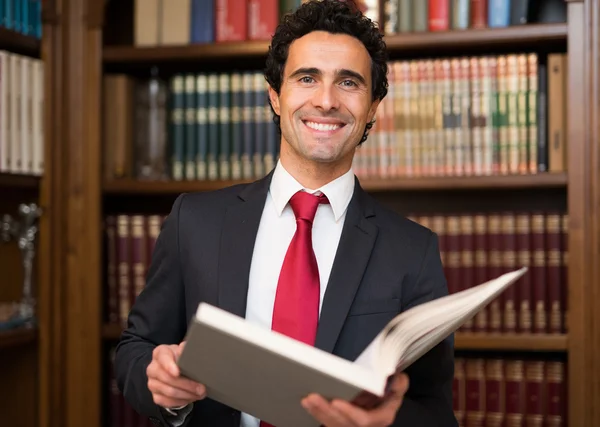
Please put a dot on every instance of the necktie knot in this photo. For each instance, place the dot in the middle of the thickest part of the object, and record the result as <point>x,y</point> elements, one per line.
<point>305,205</point>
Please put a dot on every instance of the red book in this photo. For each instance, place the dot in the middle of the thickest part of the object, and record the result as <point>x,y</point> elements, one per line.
<point>553,271</point>
<point>494,392</point>
<point>479,13</point>
<point>232,20</point>
<point>263,17</point>
<point>439,15</point>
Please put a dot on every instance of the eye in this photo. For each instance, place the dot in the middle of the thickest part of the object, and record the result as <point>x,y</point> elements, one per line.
<point>306,79</point>
<point>349,83</point>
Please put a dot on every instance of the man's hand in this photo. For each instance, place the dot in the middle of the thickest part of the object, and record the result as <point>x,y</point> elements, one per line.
<point>340,413</point>
<point>168,389</point>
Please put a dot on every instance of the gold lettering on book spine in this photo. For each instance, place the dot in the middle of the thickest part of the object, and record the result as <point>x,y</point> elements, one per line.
<point>535,374</point>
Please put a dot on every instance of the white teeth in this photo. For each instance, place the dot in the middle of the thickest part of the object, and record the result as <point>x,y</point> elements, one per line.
<point>322,126</point>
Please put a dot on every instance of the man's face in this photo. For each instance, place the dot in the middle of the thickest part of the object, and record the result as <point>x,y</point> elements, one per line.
<point>325,100</point>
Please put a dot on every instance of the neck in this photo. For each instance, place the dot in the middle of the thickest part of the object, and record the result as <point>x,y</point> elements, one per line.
<point>311,174</point>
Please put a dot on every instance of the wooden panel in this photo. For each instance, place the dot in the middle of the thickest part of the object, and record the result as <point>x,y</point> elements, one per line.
<point>52,390</point>
<point>535,34</point>
<point>584,199</point>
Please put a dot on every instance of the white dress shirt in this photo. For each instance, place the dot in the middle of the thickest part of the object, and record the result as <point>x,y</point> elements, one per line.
<point>275,232</point>
<point>276,229</point>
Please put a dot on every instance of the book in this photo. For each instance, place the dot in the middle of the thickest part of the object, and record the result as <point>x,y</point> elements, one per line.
<point>266,374</point>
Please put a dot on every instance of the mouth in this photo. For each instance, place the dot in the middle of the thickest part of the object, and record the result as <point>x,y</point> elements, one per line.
<point>323,128</point>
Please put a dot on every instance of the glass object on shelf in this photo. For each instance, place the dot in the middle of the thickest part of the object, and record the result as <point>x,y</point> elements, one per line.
<point>151,124</point>
<point>24,231</point>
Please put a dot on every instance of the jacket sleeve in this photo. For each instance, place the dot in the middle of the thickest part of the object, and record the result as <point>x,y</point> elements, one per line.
<point>157,317</point>
<point>428,402</point>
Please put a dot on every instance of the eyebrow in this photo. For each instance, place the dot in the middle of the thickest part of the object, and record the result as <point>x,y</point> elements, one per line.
<point>340,73</point>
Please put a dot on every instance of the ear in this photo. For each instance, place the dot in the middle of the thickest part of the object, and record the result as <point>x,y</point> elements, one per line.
<point>274,98</point>
<point>373,109</point>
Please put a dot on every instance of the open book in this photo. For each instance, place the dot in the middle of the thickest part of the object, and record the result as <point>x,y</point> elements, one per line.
<point>266,374</point>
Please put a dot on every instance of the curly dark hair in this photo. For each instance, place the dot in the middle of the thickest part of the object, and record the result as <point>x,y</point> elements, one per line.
<point>336,17</point>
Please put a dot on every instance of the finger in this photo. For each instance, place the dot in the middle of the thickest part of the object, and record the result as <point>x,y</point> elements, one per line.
<point>167,402</point>
<point>325,413</point>
<point>385,414</point>
<point>168,390</point>
<point>157,372</point>
<point>165,356</point>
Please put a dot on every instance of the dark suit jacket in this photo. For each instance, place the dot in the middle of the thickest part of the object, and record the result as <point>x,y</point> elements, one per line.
<point>384,264</point>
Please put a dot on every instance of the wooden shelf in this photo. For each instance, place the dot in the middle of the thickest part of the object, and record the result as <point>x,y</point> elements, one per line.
<point>532,34</point>
<point>16,337</point>
<point>15,42</point>
<point>513,342</point>
<point>8,180</point>
<point>463,341</point>
<point>545,180</point>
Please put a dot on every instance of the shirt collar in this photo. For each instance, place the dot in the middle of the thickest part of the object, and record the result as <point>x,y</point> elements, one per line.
<point>338,192</point>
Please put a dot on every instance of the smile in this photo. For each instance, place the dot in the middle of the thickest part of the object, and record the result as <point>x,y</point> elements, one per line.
<point>323,127</point>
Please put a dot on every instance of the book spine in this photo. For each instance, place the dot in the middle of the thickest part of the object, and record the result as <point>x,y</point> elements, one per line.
<point>523,223</point>
<point>263,17</point>
<point>555,396</point>
<point>190,113</point>
<point>177,126</point>
<point>509,260</point>
<point>124,267</point>
<point>479,13</point>
<point>495,269</point>
<point>467,263</point>
<point>202,139</point>
<point>237,141</point>
<point>538,272</point>
<point>224,120</point>
<point>553,266</point>
<point>494,393</point>
<point>112,290</point>
<point>439,15</point>
<point>515,393</point>
<point>475,391</point>
<point>532,112</point>
<point>534,389</point>
<point>248,125</point>
<point>523,114</point>
<point>213,127</point>
<point>481,275</point>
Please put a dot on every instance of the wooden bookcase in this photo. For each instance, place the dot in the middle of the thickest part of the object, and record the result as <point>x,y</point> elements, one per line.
<point>20,347</point>
<point>74,338</point>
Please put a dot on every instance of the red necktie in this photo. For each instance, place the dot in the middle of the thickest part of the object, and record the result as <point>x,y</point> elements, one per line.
<point>296,309</point>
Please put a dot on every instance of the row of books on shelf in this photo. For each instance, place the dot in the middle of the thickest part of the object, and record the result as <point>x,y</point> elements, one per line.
<point>486,392</point>
<point>22,16</point>
<point>406,16</point>
<point>489,115</point>
<point>474,248</point>
<point>214,21</point>
<point>21,114</point>
<point>510,392</point>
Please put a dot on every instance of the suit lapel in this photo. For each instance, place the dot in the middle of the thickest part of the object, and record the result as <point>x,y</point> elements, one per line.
<point>354,250</point>
<point>238,235</point>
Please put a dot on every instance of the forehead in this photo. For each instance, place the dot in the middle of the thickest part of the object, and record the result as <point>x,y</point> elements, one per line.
<point>328,52</point>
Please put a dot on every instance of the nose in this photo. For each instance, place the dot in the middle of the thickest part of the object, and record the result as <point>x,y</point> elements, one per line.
<point>326,98</point>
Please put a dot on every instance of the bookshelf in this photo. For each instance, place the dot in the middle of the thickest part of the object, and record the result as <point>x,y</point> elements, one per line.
<point>530,35</point>
<point>21,354</point>
<point>550,180</point>
<point>79,196</point>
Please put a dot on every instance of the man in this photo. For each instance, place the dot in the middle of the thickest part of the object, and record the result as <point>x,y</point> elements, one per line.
<point>304,251</point>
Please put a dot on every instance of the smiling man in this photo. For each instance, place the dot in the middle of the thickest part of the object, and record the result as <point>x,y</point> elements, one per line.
<point>304,251</point>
